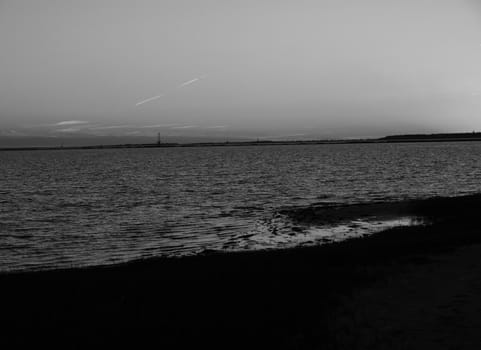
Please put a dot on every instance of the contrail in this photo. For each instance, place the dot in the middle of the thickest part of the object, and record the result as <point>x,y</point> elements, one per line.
<point>192,81</point>
<point>148,100</point>
<point>188,82</point>
<point>181,85</point>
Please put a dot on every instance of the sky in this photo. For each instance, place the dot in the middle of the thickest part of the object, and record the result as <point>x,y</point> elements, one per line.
<point>245,68</point>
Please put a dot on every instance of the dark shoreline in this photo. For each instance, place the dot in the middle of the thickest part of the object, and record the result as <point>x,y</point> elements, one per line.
<point>189,145</point>
<point>455,137</point>
<point>277,299</point>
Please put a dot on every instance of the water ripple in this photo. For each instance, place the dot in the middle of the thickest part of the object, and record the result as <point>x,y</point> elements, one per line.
<point>88,207</point>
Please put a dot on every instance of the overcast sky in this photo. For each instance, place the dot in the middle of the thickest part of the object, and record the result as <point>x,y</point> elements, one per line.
<point>269,67</point>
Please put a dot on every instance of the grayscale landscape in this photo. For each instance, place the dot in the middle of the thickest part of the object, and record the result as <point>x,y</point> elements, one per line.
<point>240,174</point>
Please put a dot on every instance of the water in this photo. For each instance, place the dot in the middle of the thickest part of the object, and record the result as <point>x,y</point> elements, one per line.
<point>85,207</point>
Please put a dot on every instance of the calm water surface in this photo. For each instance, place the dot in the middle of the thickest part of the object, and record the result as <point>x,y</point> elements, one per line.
<point>82,207</point>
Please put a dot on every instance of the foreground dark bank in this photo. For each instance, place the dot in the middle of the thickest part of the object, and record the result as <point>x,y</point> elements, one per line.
<point>311,297</point>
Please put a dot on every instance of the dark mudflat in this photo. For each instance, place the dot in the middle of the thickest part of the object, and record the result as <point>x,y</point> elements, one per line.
<point>293,298</point>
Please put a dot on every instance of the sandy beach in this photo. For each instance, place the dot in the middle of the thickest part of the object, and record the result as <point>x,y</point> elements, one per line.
<point>409,287</point>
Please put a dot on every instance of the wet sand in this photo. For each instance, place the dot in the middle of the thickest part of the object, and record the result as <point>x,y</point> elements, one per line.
<point>407,287</point>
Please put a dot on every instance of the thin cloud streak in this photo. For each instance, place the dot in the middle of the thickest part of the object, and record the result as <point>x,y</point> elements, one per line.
<point>186,83</point>
<point>68,130</point>
<point>148,100</point>
<point>192,81</point>
<point>216,127</point>
<point>159,126</point>
<point>111,127</point>
<point>185,127</point>
<point>71,122</point>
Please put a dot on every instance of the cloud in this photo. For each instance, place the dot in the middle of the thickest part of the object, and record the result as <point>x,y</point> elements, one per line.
<point>111,127</point>
<point>188,82</point>
<point>159,126</point>
<point>184,127</point>
<point>11,132</point>
<point>68,130</point>
<point>71,122</point>
<point>192,81</point>
<point>148,100</point>
<point>180,86</point>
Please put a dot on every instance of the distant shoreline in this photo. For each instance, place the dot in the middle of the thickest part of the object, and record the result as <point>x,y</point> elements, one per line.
<point>453,137</point>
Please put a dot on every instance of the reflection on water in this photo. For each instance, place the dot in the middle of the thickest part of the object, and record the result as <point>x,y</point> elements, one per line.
<point>83,207</point>
<point>289,235</point>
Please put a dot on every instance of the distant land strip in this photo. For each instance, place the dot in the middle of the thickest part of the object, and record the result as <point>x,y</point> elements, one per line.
<point>446,137</point>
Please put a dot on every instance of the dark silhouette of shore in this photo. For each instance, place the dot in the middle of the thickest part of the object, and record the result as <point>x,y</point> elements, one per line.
<point>196,144</point>
<point>333,296</point>
<point>449,137</point>
<point>446,137</point>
